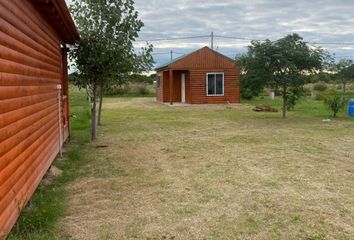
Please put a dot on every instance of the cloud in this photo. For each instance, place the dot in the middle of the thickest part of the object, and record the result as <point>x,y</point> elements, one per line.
<point>316,21</point>
<point>321,21</point>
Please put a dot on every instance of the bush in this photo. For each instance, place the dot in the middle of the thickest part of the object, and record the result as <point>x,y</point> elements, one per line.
<point>320,96</point>
<point>320,86</point>
<point>307,92</point>
<point>118,90</point>
<point>142,89</point>
<point>293,97</point>
<point>131,89</point>
<point>334,101</point>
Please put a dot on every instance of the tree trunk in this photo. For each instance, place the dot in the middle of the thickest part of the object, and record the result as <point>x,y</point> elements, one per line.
<point>100,107</point>
<point>93,115</point>
<point>284,101</point>
<point>344,87</point>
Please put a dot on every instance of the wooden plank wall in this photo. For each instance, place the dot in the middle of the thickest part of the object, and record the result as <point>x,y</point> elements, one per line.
<point>163,93</point>
<point>204,58</point>
<point>159,90</point>
<point>30,69</point>
<point>231,86</point>
<point>204,61</point>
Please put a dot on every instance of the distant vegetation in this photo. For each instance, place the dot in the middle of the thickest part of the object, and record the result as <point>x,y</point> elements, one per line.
<point>282,65</point>
<point>291,69</point>
<point>134,85</point>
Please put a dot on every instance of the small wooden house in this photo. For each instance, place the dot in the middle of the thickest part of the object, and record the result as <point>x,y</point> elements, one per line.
<point>201,77</point>
<point>34,111</point>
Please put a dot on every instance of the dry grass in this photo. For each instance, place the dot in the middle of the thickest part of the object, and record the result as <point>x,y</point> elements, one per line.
<point>214,173</point>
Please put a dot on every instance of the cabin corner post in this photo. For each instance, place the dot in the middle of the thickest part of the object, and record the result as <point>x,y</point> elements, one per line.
<point>65,85</point>
<point>171,86</point>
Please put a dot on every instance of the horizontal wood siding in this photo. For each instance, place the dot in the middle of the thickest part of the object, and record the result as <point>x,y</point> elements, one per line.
<point>204,58</point>
<point>176,96</point>
<point>159,89</point>
<point>30,69</point>
<point>188,88</point>
<point>196,66</point>
<point>231,86</point>
<point>166,87</point>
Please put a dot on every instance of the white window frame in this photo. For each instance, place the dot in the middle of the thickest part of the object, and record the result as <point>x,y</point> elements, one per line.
<point>223,83</point>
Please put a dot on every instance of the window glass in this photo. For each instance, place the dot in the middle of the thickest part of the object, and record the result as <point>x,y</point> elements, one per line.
<point>211,84</point>
<point>215,84</point>
<point>219,84</point>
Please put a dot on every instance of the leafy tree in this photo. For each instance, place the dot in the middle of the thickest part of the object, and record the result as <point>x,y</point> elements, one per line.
<point>345,72</point>
<point>283,65</point>
<point>254,73</point>
<point>326,77</point>
<point>334,101</point>
<point>105,52</point>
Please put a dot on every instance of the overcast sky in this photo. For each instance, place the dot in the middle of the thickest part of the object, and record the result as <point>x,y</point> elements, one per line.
<point>322,21</point>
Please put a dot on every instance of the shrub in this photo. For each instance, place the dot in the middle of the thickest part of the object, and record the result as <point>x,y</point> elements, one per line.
<point>320,96</point>
<point>307,91</point>
<point>293,97</point>
<point>334,101</point>
<point>130,89</point>
<point>320,86</point>
<point>142,89</point>
<point>118,90</point>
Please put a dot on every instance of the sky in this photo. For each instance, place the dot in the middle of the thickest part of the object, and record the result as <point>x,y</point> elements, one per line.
<point>318,21</point>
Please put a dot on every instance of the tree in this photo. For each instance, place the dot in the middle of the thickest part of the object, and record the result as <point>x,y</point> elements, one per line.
<point>105,52</point>
<point>334,101</point>
<point>283,65</point>
<point>345,72</point>
<point>254,73</point>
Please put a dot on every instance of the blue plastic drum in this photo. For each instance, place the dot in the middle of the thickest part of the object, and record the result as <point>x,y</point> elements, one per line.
<point>351,108</point>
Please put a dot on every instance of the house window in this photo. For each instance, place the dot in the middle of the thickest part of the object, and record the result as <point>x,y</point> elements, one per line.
<point>158,81</point>
<point>215,84</point>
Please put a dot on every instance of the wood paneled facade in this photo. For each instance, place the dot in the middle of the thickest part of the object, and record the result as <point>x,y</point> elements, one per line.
<point>34,112</point>
<point>195,67</point>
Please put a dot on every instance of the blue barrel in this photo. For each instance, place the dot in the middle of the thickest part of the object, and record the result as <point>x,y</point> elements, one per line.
<point>351,108</point>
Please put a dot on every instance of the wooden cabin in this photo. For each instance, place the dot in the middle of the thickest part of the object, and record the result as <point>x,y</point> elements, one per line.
<point>201,77</point>
<point>34,111</point>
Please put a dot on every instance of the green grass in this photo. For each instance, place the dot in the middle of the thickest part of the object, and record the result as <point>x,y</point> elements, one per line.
<point>200,172</point>
<point>39,220</point>
<point>216,172</point>
<point>305,107</point>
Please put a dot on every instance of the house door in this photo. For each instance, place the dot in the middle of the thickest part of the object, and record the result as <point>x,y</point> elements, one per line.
<point>183,87</point>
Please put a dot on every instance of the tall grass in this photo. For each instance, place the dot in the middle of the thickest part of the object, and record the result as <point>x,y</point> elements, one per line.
<point>132,90</point>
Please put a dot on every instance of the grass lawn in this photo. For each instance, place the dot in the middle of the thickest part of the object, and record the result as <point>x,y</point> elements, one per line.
<point>214,172</point>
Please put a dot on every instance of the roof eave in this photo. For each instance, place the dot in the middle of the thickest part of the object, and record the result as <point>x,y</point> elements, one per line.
<point>64,24</point>
<point>162,68</point>
<point>68,21</point>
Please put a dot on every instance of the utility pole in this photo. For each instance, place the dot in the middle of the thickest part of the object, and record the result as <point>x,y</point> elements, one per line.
<point>171,55</point>
<point>212,40</point>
